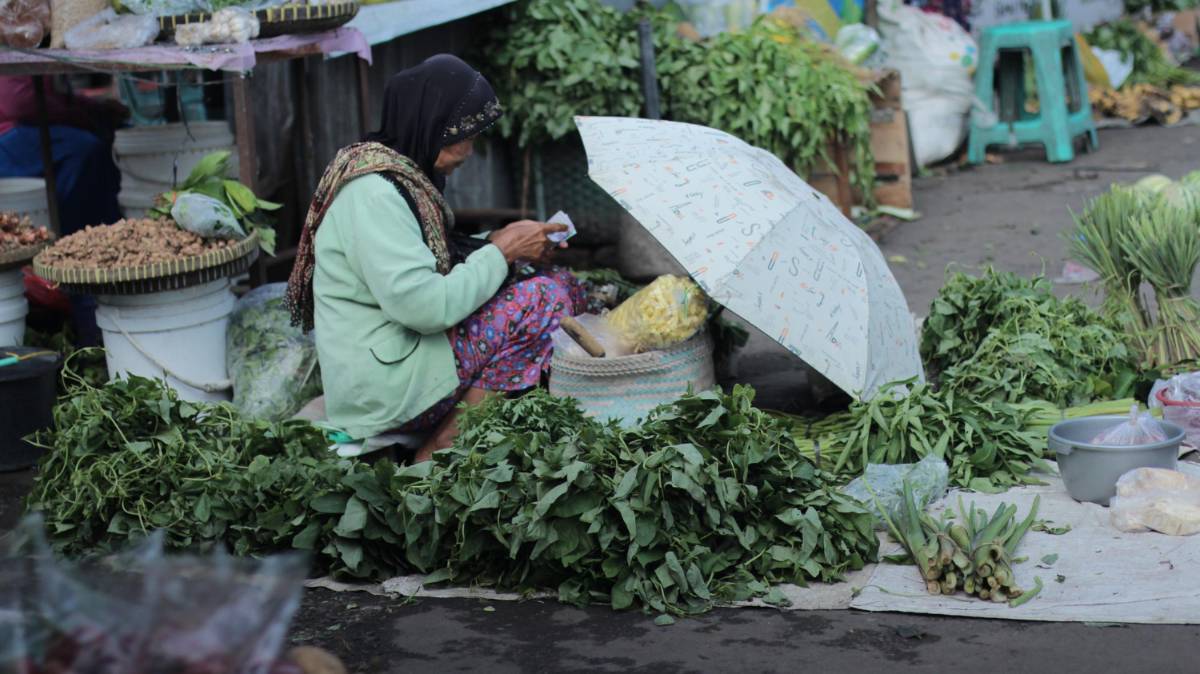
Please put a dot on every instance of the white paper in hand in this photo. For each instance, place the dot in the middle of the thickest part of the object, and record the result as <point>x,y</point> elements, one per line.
<point>561,218</point>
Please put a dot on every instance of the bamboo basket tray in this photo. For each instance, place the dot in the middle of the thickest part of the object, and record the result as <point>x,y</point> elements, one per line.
<point>174,275</point>
<point>275,21</point>
<point>19,257</point>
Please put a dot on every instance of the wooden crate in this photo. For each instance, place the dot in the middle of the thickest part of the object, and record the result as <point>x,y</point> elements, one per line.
<point>889,146</point>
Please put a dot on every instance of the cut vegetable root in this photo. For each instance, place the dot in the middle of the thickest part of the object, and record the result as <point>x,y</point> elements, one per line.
<point>972,555</point>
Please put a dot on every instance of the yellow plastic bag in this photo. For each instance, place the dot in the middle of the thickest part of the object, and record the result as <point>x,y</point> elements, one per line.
<point>1093,69</point>
<point>665,313</point>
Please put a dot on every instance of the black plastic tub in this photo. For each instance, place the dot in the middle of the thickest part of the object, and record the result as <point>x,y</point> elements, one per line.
<point>27,394</point>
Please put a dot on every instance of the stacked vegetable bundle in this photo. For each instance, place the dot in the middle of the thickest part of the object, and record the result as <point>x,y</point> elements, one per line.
<point>1147,234</point>
<point>1005,357</point>
<point>555,59</point>
<point>710,500</point>
<point>973,554</point>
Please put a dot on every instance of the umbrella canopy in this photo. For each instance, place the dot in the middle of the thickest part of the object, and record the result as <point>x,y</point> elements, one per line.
<point>761,242</point>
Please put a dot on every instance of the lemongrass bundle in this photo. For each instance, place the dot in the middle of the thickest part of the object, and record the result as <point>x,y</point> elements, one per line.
<point>1162,242</point>
<point>1096,242</point>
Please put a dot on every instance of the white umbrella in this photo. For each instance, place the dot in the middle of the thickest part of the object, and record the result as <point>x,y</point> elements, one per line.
<point>762,243</point>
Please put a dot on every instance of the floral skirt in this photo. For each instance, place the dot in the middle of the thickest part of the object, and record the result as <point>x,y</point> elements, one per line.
<point>505,345</point>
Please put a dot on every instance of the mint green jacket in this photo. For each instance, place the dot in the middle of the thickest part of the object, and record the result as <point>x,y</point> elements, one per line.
<point>382,310</point>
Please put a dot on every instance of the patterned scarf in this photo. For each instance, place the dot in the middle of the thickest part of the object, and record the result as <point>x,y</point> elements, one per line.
<point>352,162</point>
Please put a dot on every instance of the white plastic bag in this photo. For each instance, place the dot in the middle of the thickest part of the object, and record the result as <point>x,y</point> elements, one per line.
<point>108,30</point>
<point>1140,429</point>
<point>1157,499</point>
<point>936,59</point>
<point>610,339</point>
<point>206,216</point>
<point>1117,66</point>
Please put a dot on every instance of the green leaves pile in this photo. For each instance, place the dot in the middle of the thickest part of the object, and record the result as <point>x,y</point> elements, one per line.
<point>710,501</point>
<point>989,445</point>
<point>554,59</point>
<point>1003,337</point>
<point>1150,65</point>
<point>208,178</point>
<point>785,94</point>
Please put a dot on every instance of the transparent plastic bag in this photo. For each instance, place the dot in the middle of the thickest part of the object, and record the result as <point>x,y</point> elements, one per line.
<point>206,216</point>
<point>1157,499</point>
<point>108,30</point>
<point>1179,399</point>
<point>608,338</point>
<point>929,478</point>
<point>272,363</point>
<point>1140,429</point>
<point>667,312</point>
<point>24,23</point>
<point>144,611</point>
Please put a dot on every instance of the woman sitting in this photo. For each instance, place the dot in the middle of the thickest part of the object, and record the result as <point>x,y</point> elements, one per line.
<point>410,318</point>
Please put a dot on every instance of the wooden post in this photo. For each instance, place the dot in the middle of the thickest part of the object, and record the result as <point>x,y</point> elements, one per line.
<point>364,98</point>
<point>842,164</point>
<point>39,93</point>
<point>243,124</point>
<point>243,129</point>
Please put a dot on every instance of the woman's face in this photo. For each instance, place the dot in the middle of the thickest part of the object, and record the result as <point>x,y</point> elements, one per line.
<point>453,156</point>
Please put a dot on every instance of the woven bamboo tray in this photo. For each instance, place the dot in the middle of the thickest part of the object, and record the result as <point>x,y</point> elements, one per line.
<point>173,275</point>
<point>19,257</point>
<point>275,21</point>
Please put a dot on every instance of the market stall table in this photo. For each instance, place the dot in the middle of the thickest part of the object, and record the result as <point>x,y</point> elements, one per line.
<point>238,58</point>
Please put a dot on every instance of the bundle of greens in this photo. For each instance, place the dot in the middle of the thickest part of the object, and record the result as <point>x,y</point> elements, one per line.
<point>208,179</point>
<point>973,554</point>
<point>709,501</point>
<point>1150,64</point>
<point>990,445</point>
<point>129,456</point>
<point>781,92</point>
<point>1003,337</point>
<point>1097,243</point>
<point>554,59</point>
<point>1162,243</point>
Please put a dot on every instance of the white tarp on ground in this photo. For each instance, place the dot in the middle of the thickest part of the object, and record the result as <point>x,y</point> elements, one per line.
<point>1107,576</point>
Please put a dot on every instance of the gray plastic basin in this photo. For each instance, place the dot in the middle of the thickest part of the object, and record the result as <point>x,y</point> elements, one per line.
<point>1091,471</point>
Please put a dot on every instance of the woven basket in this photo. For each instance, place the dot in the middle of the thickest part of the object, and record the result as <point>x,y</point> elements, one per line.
<point>19,257</point>
<point>275,21</point>
<point>627,388</point>
<point>566,186</point>
<point>173,275</point>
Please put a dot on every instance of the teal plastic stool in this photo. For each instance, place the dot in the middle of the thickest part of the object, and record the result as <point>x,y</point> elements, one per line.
<point>1064,110</point>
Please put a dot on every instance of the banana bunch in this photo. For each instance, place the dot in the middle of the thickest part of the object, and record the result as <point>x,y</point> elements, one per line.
<point>1141,102</point>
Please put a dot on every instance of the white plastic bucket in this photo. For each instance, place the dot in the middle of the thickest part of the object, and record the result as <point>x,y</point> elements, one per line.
<point>13,308</point>
<point>177,335</point>
<point>157,157</point>
<point>137,199</point>
<point>25,196</point>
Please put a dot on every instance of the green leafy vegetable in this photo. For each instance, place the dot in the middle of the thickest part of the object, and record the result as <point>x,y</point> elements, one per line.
<point>709,501</point>
<point>208,178</point>
<point>1000,336</point>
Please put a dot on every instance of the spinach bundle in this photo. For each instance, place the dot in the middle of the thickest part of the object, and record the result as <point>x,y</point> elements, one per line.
<point>990,445</point>
<point>1003,337</point>
<point>710,500</point>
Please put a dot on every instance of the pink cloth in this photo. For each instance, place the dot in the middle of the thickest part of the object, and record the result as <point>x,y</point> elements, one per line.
<point>232,57</point>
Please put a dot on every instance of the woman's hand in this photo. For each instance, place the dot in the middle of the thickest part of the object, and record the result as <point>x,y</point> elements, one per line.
<point>527,240</point>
